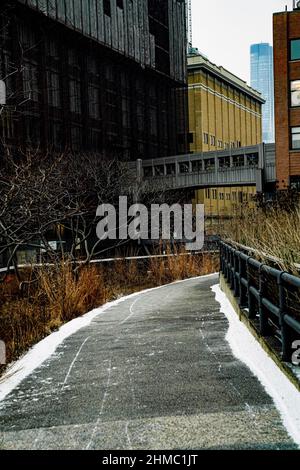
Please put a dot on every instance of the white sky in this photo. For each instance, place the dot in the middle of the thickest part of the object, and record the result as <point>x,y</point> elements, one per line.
<point>225,29</point>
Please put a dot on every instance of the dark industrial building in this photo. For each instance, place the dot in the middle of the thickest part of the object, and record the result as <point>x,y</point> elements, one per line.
<point>105,76</point>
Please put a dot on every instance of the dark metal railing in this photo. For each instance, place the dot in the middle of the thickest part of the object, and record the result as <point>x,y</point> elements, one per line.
<point>270,297</point>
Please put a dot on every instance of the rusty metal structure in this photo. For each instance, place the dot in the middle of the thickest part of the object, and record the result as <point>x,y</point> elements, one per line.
<point>105,76</point>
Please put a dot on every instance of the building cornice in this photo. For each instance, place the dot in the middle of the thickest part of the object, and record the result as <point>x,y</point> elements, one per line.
<point>225,76</point>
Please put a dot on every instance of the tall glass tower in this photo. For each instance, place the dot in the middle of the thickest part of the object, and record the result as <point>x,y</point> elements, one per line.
<point>262,79</point>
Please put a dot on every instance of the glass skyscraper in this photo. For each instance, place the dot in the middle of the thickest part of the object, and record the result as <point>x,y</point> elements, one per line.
<point>262,79</point>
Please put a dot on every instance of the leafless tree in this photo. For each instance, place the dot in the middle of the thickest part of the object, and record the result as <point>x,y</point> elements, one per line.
<point>47,193</point>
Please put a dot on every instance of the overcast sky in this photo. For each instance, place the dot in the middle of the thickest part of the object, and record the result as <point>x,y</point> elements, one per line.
<point>225,29</point>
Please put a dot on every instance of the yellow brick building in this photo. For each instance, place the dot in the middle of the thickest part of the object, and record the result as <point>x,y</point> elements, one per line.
<point>226,201</point>
<point>224,113</point>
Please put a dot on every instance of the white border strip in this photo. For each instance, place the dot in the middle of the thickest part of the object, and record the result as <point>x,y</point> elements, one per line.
<point>39,353</point>
<point>247,349</point>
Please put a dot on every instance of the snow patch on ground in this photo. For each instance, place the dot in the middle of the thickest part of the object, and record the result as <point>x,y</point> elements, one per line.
<point>246,348</point>
<point>42,351</point>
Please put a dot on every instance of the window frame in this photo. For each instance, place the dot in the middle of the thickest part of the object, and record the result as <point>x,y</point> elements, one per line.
<point>291,138</point>
<point>294,91</point>
<point>291,42</point>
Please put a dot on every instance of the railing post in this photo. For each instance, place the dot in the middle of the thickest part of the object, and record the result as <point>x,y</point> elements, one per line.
<point>236,283</point>
<point>263,316</point>
<point>226,267</point>
<point>231,269</point>
<point>251,304</point>
<point>243,296</point>
<point>285,331</point>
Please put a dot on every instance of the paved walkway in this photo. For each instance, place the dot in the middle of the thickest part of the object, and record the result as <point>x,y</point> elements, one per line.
<point>154,372</point>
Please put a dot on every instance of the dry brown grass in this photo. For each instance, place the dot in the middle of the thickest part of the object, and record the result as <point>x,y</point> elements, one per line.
<point>59,296</point>
<point>273,233</point>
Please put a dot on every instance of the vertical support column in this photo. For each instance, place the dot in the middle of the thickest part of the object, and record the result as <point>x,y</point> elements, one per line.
<point>232,272</point>
<point>263,314</point>
<point>251,304</point>
<point>243,291</point>
<point>236,264</point>
<point>285,330</point>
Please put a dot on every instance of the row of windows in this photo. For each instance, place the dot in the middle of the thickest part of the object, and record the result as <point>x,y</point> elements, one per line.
<point>199,165</point>
<point>220,144</point>
<point>234,196</point>
<point>295,94</point>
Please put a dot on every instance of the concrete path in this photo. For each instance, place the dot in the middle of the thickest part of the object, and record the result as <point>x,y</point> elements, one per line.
<point>154,372</point>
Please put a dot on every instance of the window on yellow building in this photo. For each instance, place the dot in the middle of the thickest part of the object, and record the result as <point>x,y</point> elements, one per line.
<point>228,198</point>
<point>207,193</point>
<point>214,194</point>
<point>212,140</point>
<point>205,138</point>
<point>220,144</point>
<point>221,196</point>
<point>234,196</point>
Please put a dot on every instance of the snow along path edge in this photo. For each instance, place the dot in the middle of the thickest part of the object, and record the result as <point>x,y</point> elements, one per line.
<point>40,352</point>
<point>248,350</point>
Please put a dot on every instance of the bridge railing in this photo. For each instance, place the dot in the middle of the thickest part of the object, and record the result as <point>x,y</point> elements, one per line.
<point>270,297</point>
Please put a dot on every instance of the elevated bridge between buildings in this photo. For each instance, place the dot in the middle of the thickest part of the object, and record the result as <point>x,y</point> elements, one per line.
<point>254,165</point>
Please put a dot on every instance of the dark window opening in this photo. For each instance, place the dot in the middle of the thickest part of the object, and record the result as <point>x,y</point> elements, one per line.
<point>171,169</point>
<point>196,166</point>
<point>148,172</point>
<point>224,162</point>
<point>184,167</point>
<point>159,170</point>
<point>158,9</point>
<point>238,160</point>
<point>252,159</point>
<point>107,7</point>
<point>295,183</point>
<point>209,164</point>
<point>190,137</point>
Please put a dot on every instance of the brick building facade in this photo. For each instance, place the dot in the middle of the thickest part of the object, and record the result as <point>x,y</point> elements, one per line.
<point>286,27</point>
